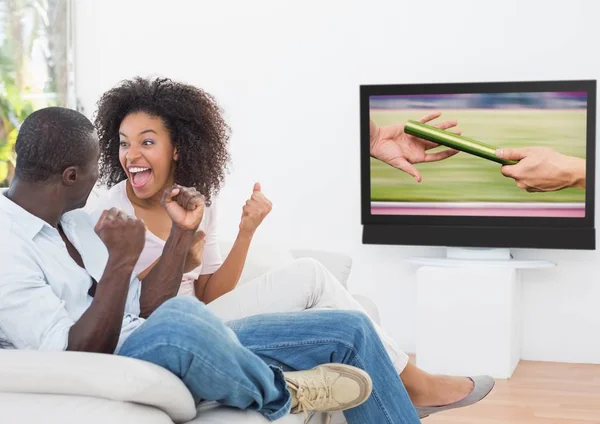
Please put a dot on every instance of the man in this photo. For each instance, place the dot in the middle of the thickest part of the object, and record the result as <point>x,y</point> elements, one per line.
<point>67,285</point>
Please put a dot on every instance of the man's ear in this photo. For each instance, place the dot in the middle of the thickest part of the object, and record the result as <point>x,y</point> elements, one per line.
<point>69,175</point>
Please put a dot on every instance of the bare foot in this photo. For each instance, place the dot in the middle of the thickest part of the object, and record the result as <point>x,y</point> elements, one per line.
<point>442,390</point>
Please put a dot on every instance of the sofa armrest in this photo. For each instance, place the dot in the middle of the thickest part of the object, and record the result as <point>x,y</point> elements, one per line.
<point>339,264</point>
<point>97,375</point>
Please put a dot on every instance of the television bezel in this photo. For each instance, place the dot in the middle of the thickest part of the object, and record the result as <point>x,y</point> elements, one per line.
<point>399,223</point>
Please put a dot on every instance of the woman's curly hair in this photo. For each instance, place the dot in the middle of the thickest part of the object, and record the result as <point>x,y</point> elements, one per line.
<point>192,117</point>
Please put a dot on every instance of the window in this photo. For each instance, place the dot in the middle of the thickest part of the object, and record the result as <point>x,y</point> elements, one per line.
<point>36,66</point>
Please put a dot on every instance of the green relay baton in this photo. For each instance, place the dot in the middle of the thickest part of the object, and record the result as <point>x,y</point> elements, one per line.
<point>454,141</point>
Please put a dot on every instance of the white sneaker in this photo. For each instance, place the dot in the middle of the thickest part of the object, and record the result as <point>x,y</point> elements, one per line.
<point>328,388</point>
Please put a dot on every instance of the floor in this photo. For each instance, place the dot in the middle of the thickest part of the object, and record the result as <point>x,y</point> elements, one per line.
<point>538,393</point>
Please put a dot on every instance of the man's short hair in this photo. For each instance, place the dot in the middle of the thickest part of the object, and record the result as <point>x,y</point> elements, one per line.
<point>51,140</point>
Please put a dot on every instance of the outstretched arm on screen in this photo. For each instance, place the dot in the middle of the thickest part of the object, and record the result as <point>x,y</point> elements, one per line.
<point>393,146</point>
<point>543,169</point>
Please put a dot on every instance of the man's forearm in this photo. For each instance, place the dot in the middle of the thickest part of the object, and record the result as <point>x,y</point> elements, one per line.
<point>227,276</point>
<point>99,327</point>
<point>163,281</point>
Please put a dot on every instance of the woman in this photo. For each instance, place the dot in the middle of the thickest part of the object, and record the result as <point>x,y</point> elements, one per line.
<point>154,133</point>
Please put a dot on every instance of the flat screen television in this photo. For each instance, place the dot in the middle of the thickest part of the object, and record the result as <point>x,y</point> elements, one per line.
<point>465,200</point>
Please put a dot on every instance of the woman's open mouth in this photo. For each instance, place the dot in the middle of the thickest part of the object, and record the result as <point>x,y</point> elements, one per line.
<point>139,176</point>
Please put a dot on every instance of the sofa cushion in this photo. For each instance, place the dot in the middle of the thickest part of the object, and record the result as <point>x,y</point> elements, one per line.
<point>34,408</point>
<point>96,375</point>
<point>261,258</point>
<point>212,413</point>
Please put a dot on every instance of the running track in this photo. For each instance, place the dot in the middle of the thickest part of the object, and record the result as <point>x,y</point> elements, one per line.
<point>548,210</point>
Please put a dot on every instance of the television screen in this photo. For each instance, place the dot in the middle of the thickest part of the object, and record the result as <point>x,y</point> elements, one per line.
<point>470,185</point>
<point>491,166</point>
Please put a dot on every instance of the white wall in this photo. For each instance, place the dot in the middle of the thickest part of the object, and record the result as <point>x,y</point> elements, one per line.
<point>287,74</point>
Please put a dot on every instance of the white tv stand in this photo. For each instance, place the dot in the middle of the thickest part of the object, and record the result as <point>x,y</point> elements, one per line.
<point>469,311</point>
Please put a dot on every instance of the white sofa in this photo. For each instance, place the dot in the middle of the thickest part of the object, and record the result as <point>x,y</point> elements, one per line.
<point>83,388</point>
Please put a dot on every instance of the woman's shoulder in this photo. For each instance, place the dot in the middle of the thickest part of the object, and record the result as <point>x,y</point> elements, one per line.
<point>212,207</point>
<point>209,219</point>
<point>103,198</point>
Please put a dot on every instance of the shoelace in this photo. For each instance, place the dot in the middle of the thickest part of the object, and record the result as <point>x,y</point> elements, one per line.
<point>311,394</point>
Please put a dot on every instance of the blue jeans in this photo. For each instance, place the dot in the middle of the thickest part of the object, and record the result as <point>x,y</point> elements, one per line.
<point>240,363</point>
